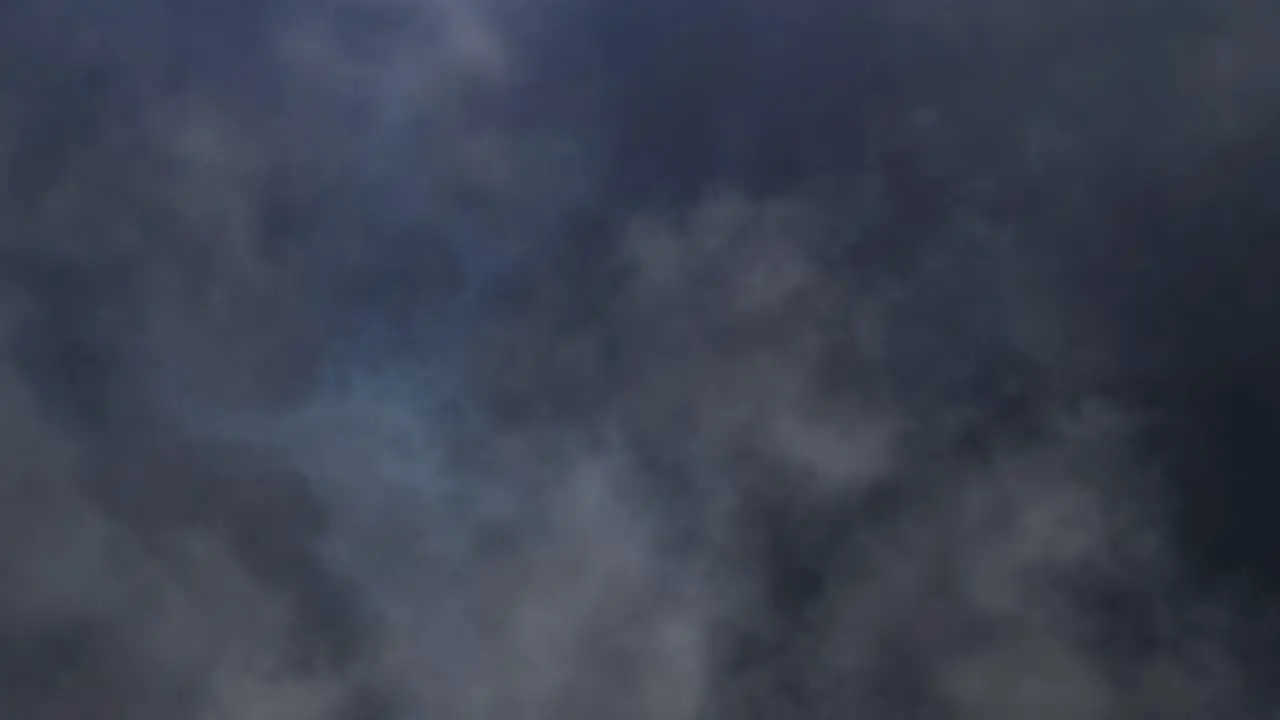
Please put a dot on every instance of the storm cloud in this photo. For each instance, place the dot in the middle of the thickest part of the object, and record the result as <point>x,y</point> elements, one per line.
<point>565,359</point>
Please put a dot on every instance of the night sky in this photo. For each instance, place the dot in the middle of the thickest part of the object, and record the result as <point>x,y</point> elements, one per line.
<point>639,360</point>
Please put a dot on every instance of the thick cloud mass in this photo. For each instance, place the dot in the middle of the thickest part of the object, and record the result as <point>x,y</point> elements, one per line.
<point>383,359</point>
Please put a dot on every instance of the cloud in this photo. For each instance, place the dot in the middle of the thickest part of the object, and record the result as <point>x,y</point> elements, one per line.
<point>342,379</point>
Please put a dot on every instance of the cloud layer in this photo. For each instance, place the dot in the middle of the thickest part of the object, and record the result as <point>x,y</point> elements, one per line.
<point>402,359</point>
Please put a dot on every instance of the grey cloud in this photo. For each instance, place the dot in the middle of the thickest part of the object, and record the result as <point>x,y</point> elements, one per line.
<point>354,368</point>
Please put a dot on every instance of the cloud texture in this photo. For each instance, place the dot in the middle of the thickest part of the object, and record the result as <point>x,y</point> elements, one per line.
<point>427,359</point>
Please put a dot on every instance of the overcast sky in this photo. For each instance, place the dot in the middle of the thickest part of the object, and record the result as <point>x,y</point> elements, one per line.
<point>581,359</point>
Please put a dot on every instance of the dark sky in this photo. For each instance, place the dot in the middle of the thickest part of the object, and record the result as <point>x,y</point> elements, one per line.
<point>382,359</point>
